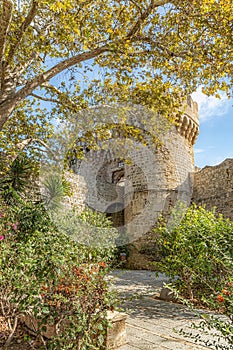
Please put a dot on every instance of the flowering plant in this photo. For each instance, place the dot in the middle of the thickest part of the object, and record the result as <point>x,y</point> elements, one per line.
<point>45,274</point>
<point>197,254</point>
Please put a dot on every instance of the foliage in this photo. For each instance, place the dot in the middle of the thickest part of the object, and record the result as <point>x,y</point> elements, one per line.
<point>148,51</point>
<point>217,327</point>
<point>32,218</point>
<point>29,129</point>
<point>196,249</point>
<point>46,275</point>
<point>18,176</point>
<point>90,229</point>
<point>56,187</point>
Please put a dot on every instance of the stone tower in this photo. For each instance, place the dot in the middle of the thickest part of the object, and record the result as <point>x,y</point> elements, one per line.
<point>154,179</point>
<point>158,181</point>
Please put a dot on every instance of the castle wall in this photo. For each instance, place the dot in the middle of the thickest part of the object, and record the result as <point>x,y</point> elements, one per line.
<point>213,187</point>
<point>78,191</point>
<point>156,181</point>
<point>156,176</point>
<point>99,170</point>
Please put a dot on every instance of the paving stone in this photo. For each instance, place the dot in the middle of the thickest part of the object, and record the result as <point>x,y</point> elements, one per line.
<point>151,323</point>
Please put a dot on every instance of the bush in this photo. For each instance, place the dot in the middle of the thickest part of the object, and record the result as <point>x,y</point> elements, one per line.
<point>18,179</point>
<point>46,274</point>
<point>197,250</point>
<point>91,230</point>
<point>197,253</point>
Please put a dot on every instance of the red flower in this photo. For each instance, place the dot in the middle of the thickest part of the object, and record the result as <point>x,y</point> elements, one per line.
<point>225,292</point>
<point>78,271</point>
<point>2,238</point>
<point>102,264</point>
<point>220,298</point>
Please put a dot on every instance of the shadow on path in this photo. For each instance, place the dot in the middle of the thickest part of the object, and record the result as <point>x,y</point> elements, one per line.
<point>151,323</point>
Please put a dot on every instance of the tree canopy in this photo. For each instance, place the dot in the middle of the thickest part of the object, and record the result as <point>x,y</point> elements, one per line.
<point>74,53</point>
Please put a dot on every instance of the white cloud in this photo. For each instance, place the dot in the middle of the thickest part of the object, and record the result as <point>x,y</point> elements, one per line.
<point>198,150</point>
<point>210,107</point>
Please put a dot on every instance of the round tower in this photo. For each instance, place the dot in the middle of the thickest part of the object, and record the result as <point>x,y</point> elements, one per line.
<point>158,179</point>
<point>135,185</point>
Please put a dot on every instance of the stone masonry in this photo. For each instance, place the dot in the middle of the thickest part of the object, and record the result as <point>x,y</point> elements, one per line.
<point>150,179</point>
<point>159,180</point>
<point>135,187</point>
<point>213,187</point>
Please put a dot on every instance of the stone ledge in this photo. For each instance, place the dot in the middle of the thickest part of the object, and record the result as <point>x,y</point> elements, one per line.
<point>116,333</point>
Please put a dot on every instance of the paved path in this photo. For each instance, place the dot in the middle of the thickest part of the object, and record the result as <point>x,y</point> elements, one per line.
<point>151,323</point>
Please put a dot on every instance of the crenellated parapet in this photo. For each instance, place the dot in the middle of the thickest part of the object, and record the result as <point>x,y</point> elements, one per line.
<point>188,123</point>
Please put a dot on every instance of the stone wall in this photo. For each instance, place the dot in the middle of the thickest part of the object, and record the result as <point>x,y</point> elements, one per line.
<point>78,191</point>
<point>213,187</point>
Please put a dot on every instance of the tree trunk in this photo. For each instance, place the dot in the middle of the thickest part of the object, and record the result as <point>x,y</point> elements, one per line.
<point>5,112</point>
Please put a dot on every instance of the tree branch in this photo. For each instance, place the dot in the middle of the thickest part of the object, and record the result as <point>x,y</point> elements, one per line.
<point>53,100</point>
<point>17,73</point>
<point>158,3</point>
<point>145,15</point>
<point>19,34</point>
<point>8,105</point>
<point>160,46</point>
<point>5,20</point>
<point>69,62</point>
<point>68,101</point>
<point>13,329</point>
<point>22,145</point>
<point>136,5</point>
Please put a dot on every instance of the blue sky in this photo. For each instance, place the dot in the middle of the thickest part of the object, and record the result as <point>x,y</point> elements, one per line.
<point>215,140</point>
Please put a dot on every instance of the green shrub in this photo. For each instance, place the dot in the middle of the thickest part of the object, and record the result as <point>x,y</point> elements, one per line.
<point>18,179</point>
<point>197,253</point>
<point>47,275</point>
<point>196,249</point>
<point>91,230</point>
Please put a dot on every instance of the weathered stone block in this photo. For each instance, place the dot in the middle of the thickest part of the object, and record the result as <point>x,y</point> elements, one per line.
<point>167,294</point>
<point>116,335</point>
